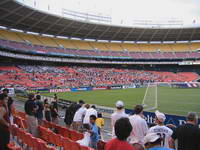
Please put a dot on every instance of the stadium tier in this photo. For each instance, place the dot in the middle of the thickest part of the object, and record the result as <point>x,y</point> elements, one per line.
<point>21,42</point>
<point>86,45</point>
<point>74,76</point>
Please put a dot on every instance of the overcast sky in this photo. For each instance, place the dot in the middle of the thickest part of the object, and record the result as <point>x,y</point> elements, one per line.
<point>128,10</point>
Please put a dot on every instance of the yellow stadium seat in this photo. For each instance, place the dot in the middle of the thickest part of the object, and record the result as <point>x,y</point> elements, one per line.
<point>30,38</point>
<point>194,46</point>
<point>47,41</point>
<point>180,47</point>
<point>65,43</point>
<point>9,35</point>
<point>82,45</point>
<point>88,45</point>
<point>99,45</point>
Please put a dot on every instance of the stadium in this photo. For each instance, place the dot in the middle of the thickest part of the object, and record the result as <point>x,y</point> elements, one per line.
<point>85,56</point>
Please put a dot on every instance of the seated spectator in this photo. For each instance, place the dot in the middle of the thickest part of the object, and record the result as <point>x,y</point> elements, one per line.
<point>123,129</point>
<point>152,141</point>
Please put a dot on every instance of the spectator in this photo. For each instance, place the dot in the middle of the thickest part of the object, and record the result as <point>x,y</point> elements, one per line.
<point>78,118</point>
<point>122,130</point>
<point>40,108</point>
<point>188,135</point>
<point>152,141</point>
<point>160,129</point>
<point>30,109</point>
<point>5,92</point>
<point>70,112</point>
<point>55,96</point>
<point>100,123</point>
<point>10,105</point>
<point>54,111</point>
<point>94,138</point>
<point>139,125</point>
<point>47,111</point>
<point>4,123</point>
<point>117,115</point>
<point>88,113</point>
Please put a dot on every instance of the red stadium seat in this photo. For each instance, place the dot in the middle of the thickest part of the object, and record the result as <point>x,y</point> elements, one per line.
<point>101,145</point>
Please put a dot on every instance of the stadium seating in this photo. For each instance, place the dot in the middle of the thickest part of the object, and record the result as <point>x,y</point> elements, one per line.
<point>99,46</point>
<point>61,138</point>
<point>46,76</point>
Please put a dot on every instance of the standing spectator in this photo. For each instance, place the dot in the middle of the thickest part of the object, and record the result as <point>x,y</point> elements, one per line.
<point>122,130</point>
<point>54,111</point>
<point>10,105</point>
<point>47,111</point>
<point>5,92</point>
<point>55,96</point>
<point>88,113</point>
<point>11,108</point>
<point>94,138</point>
<point>188,135</point>
<point>139,125</point>
<point>70,112</point>
<point>40,108</point>
<point>117,115</point>
<point>78,118</point>
<point>152,141</point>
<point>30,109</point>
<point>4,124</point>
<point>164,132</point>
<point>100,123</point>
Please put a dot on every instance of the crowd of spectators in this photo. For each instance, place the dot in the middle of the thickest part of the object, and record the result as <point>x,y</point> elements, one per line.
<point>129,131</point>
<point>28,76</point>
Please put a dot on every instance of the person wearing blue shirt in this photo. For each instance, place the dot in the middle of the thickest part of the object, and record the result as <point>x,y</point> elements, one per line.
<point>152,141</point>
<point>94,138</point>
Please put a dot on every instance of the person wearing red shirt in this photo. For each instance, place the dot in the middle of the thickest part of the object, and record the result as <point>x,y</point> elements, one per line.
<point>123,129</point>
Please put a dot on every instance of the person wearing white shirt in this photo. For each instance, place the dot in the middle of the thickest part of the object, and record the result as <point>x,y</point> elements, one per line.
<point>160,129</point>
<point>78,118</point>
<point>117,115</point>
<point>88,113</point>
<point>139,125</point>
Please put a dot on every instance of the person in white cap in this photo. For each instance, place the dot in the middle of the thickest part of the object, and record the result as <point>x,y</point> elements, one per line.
<point>152,141</point>
<point>160,129</point>
<point>139,125</point>
<point>117,115</point>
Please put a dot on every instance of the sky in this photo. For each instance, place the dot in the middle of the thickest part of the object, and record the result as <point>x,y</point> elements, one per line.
<point>127,12</point>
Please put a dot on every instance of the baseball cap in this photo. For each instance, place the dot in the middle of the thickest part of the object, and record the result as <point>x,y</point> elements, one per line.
<point>151,137</point>
<point>119,104</point>
<point>161,116</point>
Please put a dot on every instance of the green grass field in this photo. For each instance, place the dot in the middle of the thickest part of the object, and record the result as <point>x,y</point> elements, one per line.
<point>170,100</point>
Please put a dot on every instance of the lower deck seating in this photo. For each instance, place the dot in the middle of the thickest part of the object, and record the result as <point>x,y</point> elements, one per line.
<point>28,76</point>
<point>62,137</point>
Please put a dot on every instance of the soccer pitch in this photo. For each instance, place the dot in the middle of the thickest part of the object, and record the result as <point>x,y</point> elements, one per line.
<point>177,101</point>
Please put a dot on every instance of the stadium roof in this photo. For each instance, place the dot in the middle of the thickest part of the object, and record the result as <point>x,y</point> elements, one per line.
<point>18,16</point>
